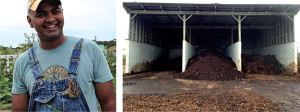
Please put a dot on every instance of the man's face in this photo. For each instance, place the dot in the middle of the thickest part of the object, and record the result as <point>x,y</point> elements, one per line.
<point>47,20</point>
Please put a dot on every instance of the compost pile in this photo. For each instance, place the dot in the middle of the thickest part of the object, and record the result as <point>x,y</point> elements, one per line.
<point>256,64</point>
<point>232,100</point>
<point>211,65</point>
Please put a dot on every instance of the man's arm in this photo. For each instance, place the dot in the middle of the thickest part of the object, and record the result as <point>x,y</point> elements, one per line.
<point>20,102</point>
<point>106,96</point>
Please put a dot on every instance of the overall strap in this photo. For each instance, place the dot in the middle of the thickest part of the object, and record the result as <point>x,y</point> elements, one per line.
<point>74,60</point>
<point>34,64</point>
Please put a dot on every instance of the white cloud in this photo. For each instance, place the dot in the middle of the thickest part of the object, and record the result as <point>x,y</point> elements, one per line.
<point>82,18</point>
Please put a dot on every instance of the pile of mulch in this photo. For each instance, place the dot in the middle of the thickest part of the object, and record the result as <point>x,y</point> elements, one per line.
<point>233,100</point>
<point>257,64</point>
<point>211,65</point>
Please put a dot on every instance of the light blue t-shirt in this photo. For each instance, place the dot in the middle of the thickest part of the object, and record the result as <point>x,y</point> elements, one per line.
<point>54,64</point>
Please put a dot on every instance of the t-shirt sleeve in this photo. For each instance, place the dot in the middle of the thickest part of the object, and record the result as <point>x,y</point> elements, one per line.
<point>19,86</point>
<point>101,68</point>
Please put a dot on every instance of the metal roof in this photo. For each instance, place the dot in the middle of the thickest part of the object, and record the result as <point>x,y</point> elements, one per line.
<point>211,9</point>
<point>211,15</point>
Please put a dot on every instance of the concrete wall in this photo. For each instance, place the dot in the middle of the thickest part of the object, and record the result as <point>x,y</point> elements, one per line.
<point>285,53</point>
<point>174,53</point>
<point>283,32</point>
<point>247,51</point>
<point>140,55</point>
<point>235,51</point>
<point>187,53</point>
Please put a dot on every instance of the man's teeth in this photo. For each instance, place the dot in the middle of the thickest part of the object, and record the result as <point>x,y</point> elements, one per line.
<point>50,26</point>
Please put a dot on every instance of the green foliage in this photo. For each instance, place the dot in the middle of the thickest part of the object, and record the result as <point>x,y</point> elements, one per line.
<point>30,41</point>
<point>111,60</point>
<point>6,75</point>
<point>9,50</point>
<point>107,43</point>
<point>110,47</point>
<point>112,64</point>
<point>5,106</point>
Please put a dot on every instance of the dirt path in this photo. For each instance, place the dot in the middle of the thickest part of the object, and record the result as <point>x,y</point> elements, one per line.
<point>281,90</point>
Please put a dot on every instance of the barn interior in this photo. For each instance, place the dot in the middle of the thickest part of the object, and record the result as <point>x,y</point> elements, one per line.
<point>167,35</point>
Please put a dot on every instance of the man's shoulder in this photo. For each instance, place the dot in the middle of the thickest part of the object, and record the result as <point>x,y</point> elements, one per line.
<point>23,56</point>
<point>22,60</point>
<point>85,41</point>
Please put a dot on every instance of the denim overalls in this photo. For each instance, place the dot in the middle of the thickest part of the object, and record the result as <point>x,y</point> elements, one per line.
<point>59,95</point>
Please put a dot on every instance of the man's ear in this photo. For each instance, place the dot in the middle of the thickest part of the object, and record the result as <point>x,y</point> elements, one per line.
<point>29,20</point>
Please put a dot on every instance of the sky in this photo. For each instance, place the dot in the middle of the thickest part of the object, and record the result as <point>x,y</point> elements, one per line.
<point>83,19</point>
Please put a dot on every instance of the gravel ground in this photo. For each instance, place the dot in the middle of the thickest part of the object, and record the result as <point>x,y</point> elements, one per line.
<point>160,91</point>
<point>233,100</point>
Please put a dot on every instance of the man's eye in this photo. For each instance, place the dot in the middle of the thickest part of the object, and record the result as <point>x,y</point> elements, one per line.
<point>40,15</point>
<point>56,12</point>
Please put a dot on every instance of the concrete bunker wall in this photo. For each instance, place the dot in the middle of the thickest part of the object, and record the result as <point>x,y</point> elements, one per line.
<point>285,53</point>
<point>142,47</point>
<point>279,41</point>
<point>175,53</point>
<point>234,51</point>
<point>188,52</point>
<point>141,56</point>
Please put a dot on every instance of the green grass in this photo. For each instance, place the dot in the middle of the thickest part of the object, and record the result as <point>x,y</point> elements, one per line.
<point>115,81</point>
<point>5,106</point>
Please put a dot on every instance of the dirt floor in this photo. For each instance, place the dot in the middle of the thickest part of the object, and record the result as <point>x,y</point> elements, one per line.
<point>160,91</point>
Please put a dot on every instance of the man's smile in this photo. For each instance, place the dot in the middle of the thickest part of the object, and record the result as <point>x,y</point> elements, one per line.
<point>51,27</point>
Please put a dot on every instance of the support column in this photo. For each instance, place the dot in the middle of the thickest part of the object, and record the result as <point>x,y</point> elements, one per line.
<point>238,50</point>
<point>190,35</point>
<point>130,26</point>
<point>231,36</point>
<point>130,38</point>
<point>136,21</point>
<point>184,26</point>
<point>185,51</point>
<point>240,28</point>
<point>293,30</point>
<point>140,30</point>
<point>184,63</point>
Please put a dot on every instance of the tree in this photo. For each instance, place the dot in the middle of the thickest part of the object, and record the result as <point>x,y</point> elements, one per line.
<point>106,43</point>
<point>31,39</point>
<point>2,50</point>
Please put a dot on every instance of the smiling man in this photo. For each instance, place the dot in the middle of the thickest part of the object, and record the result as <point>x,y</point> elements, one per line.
<point>60,73</point>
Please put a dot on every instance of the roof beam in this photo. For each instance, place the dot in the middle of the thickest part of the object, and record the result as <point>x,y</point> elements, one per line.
<point>155,18</point>
<point>170,18</point>
<point>271,21</point>
<point>250,9</point>
<point>143,7</point>
<point>211,27</point>
<point>270,7</point>
<point>161,8</point>
<point>179,8</point>
<point>255,21</point>
<point>209,12</point>
<point>287,9</point>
